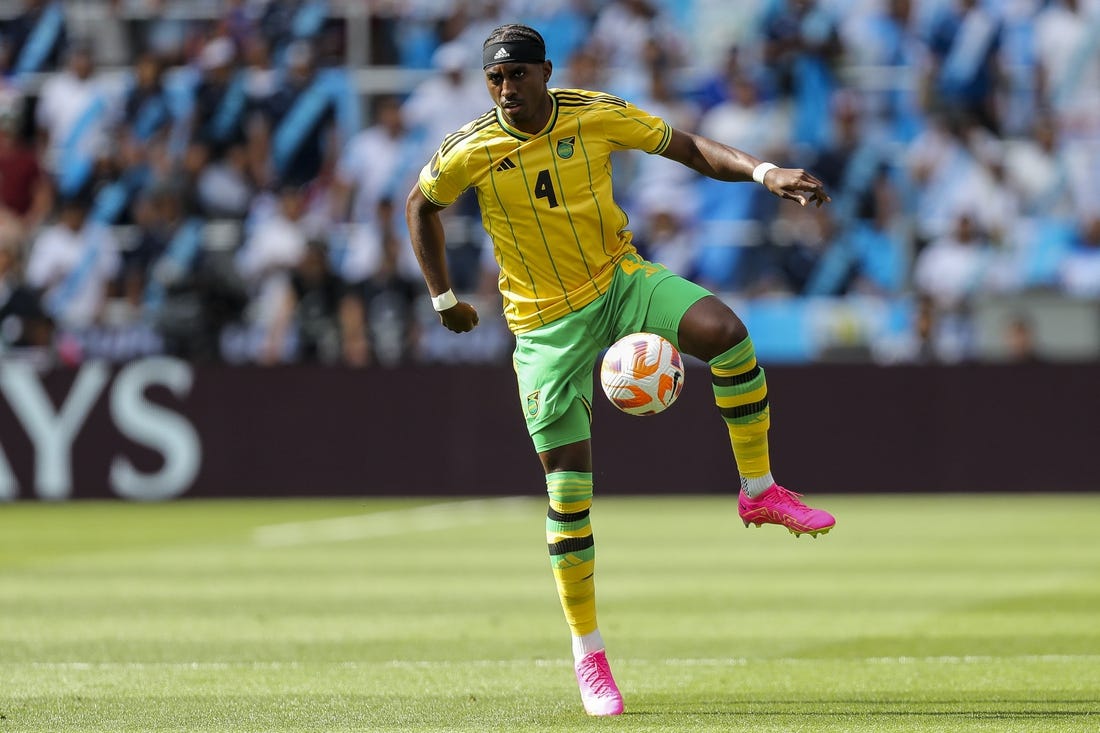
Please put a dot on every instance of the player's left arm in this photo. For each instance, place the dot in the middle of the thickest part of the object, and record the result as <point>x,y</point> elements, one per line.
<point>724,163</point>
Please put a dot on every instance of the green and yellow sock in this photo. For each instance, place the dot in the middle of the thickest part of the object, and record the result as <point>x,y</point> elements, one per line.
<point>572,553</point>
<point>741,393</point>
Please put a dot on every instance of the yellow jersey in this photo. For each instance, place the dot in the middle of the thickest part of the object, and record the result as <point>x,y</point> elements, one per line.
<point>546,199</point>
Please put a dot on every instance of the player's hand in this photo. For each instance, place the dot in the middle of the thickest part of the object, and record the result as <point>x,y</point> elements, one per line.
<point>797,185</point>
<point>460,318</point>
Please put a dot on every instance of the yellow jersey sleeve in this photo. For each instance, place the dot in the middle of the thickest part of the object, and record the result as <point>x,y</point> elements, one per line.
<point>445,177</point>
<point>630,128</point>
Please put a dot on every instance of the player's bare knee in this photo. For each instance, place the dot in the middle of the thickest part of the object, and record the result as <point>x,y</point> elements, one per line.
<point>724,335</point>
<point>736,331</point>
<point>711,328</point>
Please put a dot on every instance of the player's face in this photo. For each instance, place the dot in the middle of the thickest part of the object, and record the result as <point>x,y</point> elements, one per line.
<point>520,92</point>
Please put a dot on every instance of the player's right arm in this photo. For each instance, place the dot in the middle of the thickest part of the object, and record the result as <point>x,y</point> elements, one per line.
<point>429,245</point>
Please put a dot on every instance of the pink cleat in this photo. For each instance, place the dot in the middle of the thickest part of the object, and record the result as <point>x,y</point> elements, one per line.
<point>780,506</point>
<point>598,691</point>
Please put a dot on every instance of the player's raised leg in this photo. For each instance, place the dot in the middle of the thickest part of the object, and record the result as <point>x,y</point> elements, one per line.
<point>711,331</point>
<point>573,560</point>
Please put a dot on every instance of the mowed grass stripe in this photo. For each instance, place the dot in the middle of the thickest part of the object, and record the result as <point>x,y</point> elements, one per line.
<point>822,694</point>
<point>432,517</point>
<point>916,613</point>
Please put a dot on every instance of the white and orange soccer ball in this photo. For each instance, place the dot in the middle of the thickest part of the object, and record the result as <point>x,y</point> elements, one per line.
<point>642,374</point>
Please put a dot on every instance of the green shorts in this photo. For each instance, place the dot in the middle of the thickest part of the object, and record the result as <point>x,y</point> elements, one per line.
<point>554,363</point>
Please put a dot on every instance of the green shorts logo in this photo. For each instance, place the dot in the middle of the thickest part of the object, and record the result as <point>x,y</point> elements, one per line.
<point>533,404</point>
<point>565,147</point>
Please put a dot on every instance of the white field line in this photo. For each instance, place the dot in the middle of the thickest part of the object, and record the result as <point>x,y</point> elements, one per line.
<point>428,518</point>
<point>521,663</point>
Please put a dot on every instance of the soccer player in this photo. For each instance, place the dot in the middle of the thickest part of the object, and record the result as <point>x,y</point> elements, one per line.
<point>573,283</point>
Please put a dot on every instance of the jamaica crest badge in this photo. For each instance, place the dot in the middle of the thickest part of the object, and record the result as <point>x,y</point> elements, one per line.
<point>565,147</point>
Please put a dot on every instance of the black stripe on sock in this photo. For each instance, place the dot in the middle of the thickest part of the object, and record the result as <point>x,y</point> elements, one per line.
<point>736,379</point>
<point>557,516</point>
<point>571,544</point>
<point>745,410</point>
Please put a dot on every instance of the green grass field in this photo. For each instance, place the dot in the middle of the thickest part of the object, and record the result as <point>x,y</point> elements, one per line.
<point>942,613</point>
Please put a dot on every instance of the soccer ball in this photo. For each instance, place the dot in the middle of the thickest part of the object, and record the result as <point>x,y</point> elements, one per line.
<point>642,374</point>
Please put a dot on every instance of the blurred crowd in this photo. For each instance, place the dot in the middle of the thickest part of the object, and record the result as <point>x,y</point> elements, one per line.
<point>218,180</point>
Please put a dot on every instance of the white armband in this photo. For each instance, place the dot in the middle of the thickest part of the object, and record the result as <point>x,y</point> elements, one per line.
<point>444,301</point>
<point>761,170</point>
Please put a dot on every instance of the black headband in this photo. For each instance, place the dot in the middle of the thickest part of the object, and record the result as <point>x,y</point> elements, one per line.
<point>512,52</point>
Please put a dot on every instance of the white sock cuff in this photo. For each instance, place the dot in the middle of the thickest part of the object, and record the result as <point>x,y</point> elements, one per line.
<point>584,645</point>
<point>754,487</point>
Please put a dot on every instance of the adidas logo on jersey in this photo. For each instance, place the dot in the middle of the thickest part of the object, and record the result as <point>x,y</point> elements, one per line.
<point>506,165</point>
<point>501,54</point>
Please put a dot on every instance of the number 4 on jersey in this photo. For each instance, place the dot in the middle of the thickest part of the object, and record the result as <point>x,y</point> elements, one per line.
<point>544,188</point>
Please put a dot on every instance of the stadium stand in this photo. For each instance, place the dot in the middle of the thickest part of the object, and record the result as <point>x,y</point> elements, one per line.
<point>214,149</point>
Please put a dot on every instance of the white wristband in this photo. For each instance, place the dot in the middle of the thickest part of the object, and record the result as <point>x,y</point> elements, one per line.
<point>761,170</point>
<point>443,301</point>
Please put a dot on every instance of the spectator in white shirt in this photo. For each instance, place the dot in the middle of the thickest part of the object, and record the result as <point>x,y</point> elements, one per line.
<point>447,100</point>
<point>1080,271</point>
<point>73,263</point>
<point>1067,52</point>
<point>376,167</point>
<point>955,267</point>
<point>276,246</point>
<point>74,114</point>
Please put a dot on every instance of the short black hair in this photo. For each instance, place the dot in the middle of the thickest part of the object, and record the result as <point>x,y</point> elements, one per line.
<point>516,32</point>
